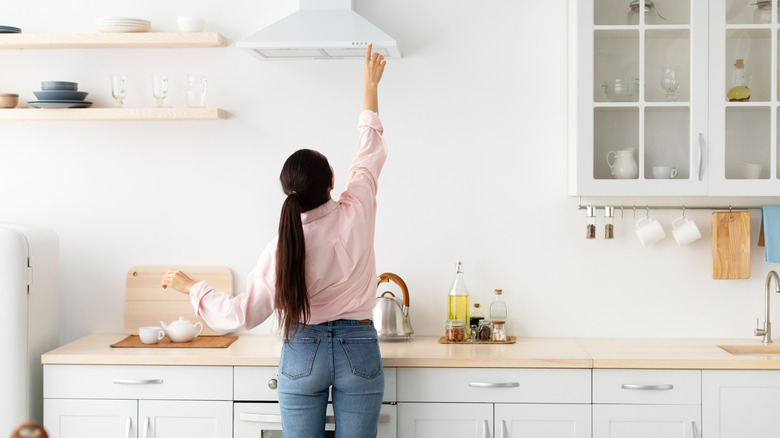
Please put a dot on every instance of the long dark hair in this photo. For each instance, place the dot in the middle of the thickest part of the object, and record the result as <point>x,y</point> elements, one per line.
<point>306,180</point>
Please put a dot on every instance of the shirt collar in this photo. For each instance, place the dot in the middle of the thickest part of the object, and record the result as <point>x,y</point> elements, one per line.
<point>318,212</point>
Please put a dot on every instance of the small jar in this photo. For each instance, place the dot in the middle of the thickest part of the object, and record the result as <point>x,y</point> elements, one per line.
<point>499,332</point>
<point>484,331</point>
<point>590,222</point>
<point>455,330</point>
<point>649,11</point>
<point>609,222</point>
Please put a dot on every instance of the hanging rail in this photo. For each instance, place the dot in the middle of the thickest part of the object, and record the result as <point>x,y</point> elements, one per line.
<point>669,207</point>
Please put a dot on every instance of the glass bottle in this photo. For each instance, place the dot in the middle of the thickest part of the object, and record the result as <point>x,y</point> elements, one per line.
<point>475,316</point>
<point>609,222</point>
<point>498,309</point>
<point>740,91</point>
<point>763,12</point>
<point>590,222</point>
<point>458,296</point>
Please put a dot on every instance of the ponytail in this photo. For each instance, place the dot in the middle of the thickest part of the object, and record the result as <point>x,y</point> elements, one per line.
<point>306,180</point>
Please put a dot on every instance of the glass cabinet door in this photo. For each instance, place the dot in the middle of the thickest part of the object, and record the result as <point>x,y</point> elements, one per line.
<point>641,97</point>
<point>744,97</point>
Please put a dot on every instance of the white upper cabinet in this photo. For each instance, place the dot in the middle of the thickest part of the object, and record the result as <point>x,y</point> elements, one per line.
<point>648,108</point>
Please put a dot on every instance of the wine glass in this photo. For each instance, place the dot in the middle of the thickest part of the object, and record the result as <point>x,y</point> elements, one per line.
<point>119,88</point>
<point>160,89</point>
<point>670,82</point>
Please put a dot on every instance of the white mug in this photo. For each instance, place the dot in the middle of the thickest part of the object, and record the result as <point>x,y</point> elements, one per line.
<point>685,231</point>
<point>150,335</point>
<point>750,170</point>
<point>649,230</point>
<point>664,172</point>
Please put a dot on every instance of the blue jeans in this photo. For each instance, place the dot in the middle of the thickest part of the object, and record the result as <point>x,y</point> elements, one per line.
<point>342,355</point>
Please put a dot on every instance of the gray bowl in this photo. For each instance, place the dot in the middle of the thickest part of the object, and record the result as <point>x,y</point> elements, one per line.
<point>59,85</point>
<point>60,95</point>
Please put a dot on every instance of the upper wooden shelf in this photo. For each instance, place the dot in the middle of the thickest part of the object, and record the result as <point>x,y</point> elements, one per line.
<point>111,40</point>
<point>113,114</point>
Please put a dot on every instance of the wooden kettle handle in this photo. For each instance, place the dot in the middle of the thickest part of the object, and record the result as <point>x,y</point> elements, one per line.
<point>38,431</point>
<point>387,276</point>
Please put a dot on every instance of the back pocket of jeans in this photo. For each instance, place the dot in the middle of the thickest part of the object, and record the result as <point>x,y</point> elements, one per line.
<point>298,357</point>
<point>363,355</point>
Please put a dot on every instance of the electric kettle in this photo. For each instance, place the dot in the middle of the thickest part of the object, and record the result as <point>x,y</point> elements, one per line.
<point>391,314</point>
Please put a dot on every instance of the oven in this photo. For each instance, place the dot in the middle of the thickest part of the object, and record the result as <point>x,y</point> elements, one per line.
<point>256,411</point>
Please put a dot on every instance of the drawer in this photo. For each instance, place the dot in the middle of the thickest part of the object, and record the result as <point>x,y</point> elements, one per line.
<point>254,384</point>
<point>647,386</point>
<point>138,382</point>
<point>494,385</point>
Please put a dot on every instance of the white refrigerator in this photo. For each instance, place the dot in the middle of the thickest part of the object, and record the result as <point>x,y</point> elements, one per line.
<point>29,319</point>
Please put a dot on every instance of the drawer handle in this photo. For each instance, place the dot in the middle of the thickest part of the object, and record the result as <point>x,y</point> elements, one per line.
<point>494,385</point>
<point>271,418</point>
<point>138,381</point>
<point>648,387</point>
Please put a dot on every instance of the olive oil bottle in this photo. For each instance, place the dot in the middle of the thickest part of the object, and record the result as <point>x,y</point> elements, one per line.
<point>459,296</point>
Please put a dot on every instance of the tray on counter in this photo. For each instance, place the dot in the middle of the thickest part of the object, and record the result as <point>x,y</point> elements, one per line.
<point>133,341</point>
<point>509,340</point>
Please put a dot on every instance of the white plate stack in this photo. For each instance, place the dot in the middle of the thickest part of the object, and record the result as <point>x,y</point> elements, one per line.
<point>123,24</point>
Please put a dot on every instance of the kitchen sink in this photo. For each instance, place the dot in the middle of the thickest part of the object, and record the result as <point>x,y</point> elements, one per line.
<point>751,350</point>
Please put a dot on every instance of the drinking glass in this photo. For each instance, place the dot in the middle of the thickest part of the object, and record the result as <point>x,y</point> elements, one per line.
<point>196,90</point>
<point>119,88</point>
<point>670,81</point>
<point>160,89</point>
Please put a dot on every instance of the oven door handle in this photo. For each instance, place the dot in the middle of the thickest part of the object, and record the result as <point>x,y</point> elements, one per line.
<point>273,418</point>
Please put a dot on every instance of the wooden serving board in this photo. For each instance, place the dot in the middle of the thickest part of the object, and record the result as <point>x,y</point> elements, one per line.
<point>147,303</point>
<point>134,341</point>
<point>731,245</point>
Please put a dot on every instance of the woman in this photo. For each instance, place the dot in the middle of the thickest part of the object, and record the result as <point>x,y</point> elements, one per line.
<point>319,275</point>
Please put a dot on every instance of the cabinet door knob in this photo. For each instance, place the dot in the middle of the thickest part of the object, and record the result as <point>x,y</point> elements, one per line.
<point>272,383</point>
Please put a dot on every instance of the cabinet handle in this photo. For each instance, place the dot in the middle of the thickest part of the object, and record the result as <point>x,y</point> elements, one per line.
<point>648,387</point>
<point>701,156</point>
<point>272,418</point>
<point>504,432</point>
<point>494,385</point>
<point>485,429</point>
<point>138,381</point>
<point>127,429</point>
<point>146,427</point>
<point>694,431</point>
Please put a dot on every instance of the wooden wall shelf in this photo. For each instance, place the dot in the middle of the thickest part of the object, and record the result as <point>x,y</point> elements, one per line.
<point>113,114</point>
<point>112,40</point>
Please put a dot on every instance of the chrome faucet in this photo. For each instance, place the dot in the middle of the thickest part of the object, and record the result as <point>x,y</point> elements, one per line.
<point>766,332</point>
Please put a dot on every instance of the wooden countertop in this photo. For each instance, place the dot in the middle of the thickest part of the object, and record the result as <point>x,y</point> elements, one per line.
<point>422,351</point>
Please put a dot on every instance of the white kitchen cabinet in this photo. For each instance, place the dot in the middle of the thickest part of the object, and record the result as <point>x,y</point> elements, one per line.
<point>481,403</point>
<point>646,403</point>
<point>138,401</point>
<point>705,137</point>
<point>740,404</point>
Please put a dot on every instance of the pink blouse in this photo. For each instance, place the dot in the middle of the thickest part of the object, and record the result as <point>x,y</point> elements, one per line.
<point>340,269</point>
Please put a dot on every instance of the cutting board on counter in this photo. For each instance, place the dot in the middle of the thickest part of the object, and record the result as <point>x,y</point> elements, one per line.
<point>147,303</point>
<point>731,245</point>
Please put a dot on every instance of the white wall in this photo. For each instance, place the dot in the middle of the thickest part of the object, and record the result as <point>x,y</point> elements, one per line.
<point>475,116</point>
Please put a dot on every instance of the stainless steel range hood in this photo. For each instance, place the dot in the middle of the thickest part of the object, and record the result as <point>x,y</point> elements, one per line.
<point>320,29</point>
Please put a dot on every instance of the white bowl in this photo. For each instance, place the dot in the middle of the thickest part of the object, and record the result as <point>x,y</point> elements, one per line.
<point>191,24</point>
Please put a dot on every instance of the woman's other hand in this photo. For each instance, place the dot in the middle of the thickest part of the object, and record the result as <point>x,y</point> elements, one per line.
<point>372,74</point>
<point>178,281</point>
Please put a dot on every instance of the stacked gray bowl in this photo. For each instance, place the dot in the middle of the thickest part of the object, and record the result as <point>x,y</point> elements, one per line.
<point>59,94</point>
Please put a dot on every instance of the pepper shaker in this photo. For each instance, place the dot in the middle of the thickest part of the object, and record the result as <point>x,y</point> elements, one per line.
<point>590,225</point>
<point>609,222</point>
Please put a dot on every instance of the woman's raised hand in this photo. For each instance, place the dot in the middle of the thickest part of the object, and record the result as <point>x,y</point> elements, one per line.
<point>372,74</point>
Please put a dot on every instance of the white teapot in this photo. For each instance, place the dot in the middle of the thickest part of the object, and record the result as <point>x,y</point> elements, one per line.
<point>624,166</point>
<point>182,330</point>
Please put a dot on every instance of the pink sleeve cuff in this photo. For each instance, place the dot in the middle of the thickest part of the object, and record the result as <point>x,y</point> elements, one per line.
<point>198,291</point>
<point>371,119</point>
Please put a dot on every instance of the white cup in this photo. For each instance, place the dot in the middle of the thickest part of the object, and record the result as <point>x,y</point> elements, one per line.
<point>750,170</point>
<point>649,230</point>
<point>150,335</point>
<point>685,231</point>
<point>664,172</point>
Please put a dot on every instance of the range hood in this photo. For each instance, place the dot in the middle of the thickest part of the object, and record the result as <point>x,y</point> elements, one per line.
<point>320,29</point>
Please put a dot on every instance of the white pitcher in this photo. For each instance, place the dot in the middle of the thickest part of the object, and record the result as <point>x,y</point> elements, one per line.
<point>624,166</point>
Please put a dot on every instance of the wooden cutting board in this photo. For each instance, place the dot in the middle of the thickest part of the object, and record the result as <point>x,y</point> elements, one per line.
<point>147,303</point>
<point>731,245</point>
